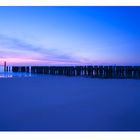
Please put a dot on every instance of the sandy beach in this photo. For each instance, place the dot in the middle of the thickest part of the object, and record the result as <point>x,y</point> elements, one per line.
<point>69,103</point>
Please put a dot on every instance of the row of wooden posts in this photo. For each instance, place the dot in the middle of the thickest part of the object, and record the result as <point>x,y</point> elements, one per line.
<point>7,69</point>
<point>87,71</point>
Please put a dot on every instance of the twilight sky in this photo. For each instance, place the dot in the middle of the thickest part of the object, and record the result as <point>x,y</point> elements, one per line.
<point>70,35</point>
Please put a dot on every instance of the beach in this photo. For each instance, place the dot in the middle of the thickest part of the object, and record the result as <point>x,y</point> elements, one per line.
<point>61,103</point>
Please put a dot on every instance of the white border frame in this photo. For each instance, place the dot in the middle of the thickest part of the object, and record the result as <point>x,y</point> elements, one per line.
<point>69,135</point>
<point>70,2</point>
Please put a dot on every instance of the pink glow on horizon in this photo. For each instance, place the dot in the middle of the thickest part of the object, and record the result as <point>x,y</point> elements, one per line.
<point>29,61</point>
<point>16,60</point>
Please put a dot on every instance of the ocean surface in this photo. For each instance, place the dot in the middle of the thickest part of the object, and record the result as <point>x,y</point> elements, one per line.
<point>60,103</point>
<point>15,74</point>
<point>12,74</point>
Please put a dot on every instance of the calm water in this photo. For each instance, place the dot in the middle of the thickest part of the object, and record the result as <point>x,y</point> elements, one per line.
<point>68,104</point>
<point>1,69</point>
<point>13,74</point>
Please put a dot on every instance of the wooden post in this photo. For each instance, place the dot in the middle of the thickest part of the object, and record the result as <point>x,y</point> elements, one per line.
<point>110,72</point>
<point>105,71</point>
<point>100,71</point>
<point>138,72</point>
<point>95,71</point>
<point>4,66</point>
<point>90,71</point>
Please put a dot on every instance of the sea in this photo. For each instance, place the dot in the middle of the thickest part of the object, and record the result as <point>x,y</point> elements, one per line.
<point>11,74</point>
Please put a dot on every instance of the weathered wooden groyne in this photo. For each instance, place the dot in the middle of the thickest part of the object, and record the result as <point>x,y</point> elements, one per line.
<point>86,71</point>
<point>20,69</point>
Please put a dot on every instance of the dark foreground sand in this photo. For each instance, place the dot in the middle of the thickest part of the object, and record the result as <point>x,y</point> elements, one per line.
<point>65,103</point>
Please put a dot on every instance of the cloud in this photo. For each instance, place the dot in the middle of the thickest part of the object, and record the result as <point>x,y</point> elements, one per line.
<point>15,49</point>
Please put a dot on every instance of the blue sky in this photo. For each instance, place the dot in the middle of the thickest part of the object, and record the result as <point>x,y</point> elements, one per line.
<point>70,35</point>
